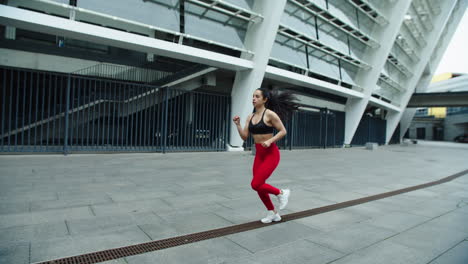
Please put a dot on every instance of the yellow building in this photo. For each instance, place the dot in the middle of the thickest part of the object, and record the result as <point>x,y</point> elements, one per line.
<point>439,112</point>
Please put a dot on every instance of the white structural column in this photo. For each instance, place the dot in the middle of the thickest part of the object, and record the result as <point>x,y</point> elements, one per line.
<point>408,114</point>
<point>385,36</point>
<point>259,39</point>
<point>440,21</point>
<point>424,82</point>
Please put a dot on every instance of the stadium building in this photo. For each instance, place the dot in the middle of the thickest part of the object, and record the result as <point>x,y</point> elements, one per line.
<point>169,75</point>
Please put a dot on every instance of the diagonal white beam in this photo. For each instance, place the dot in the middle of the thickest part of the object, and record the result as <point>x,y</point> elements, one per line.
<point>385,36</point>
<point>259,39</point>
<point>34,21</point>
<point>306,81</point>
<point>420,81</point>
<point>383,104</point>
<point>422,85</point>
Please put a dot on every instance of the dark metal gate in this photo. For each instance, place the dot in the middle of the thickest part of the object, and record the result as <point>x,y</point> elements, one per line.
<point>321,128</point>
<point>370,129</point>
<point>53,112</point>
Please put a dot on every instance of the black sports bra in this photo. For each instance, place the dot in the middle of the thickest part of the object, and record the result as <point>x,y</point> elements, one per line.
<point>260,127</point>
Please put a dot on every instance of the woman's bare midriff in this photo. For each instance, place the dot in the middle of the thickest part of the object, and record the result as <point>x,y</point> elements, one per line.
<point>260,138</point>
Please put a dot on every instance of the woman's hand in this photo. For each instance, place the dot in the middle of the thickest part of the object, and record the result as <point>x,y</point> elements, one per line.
<point>236,120</point>
<point>266,144</point>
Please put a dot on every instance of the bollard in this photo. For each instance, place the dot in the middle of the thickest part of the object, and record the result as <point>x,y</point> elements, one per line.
<point>371,145</point>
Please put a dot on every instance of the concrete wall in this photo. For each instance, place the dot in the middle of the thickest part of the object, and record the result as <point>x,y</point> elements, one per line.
<point>427,125</point>
<point>455,125</point>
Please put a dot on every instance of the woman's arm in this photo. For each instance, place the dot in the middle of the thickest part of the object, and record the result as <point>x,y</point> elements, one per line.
<point>243,132</point>
<point>278,125</point>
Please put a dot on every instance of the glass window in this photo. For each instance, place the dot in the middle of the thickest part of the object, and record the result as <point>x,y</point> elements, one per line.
<point>410,40</point>
<point>366,25</point>
<point>343,10</point>
<point>290,51</point>
<point>348,72</point>
<point>332,37</point>
<point>357,48</point>
<point>401,55</point>
<point>324,64</point>
<point>321,3</point>
<point>380,5</point>
<point>215,26</point>
<point>159,13</point>
<point>298,19</point>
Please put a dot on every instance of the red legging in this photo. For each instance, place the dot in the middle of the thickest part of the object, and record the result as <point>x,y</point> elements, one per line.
<point>266,160</point>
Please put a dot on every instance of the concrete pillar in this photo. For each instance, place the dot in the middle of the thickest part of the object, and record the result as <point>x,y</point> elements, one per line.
<point>367,79</point>
<point>408,114</point>
<point>432,65</point>
<point>440,22</point>
<point>259,39</point>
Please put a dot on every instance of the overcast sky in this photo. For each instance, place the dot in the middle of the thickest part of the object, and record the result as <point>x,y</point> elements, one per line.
<point>455,58</point>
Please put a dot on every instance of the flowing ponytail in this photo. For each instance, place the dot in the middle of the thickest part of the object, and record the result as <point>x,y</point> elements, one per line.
<point>282,103</point>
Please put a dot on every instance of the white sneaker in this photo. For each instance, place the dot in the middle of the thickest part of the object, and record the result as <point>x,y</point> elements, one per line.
<point>271,217</point>
<point>283,198</point>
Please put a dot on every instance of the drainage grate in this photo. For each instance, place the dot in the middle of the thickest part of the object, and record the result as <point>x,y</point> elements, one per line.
<point>116,253</point>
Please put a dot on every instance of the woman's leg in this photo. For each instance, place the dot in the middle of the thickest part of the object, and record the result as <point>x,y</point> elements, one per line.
<point>266,161</point>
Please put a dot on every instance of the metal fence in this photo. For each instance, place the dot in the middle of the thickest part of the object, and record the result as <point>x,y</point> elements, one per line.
<point>53,112</point>
<point>370,129</point>
<point>123,72</point>
<point>322,128</point>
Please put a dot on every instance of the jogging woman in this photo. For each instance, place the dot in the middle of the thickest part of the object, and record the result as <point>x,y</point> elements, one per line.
<point>270,107</point>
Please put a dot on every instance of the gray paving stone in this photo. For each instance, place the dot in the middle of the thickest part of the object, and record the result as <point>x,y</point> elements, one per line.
<point>115,261</point>
<point>332,220</point>
<point>455,220</point>
<point>404,202</point>
<point>424,193</point>
<point>240,216</point>
<point>130,207</point>
<point>138,194</point>
<point>53,249</point>
<point>54,215</point>
<point>456,255</point>
<point>373,209</point>
<point>250,201</point>
<point>297,252</point>
<point>82,201</point>
<point>189,200</point>
<point>186,223</point>
<point>301,200</point>
<point>14,252</point>
<point>234,193</point>
<point>29,233</point>
<point>145,188</point>
<point>385,252</point>
<point>13,207</point>
<point>397,221</point>
<point>99,225</point>
<point>435,207</point>
<point>352,238</point>
<point>11,220</point>
<point>159,230</point>
<point>338,196</point>
<point>125,236</point>
<point>205,252</point>
<point>272,236</point>
<point>430,238</point>
<point>28,196</point>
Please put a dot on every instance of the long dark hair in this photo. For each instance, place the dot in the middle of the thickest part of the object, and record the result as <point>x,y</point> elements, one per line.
<point>283,103</point>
